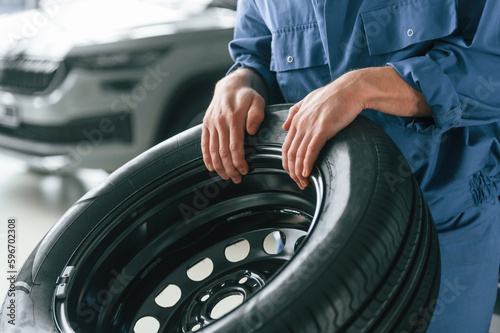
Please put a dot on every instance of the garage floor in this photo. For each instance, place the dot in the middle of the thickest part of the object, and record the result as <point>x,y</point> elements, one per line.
<point>37,201</point>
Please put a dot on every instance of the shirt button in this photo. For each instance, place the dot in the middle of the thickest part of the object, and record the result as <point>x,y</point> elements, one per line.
<point>409,32</point>
<point>289,59</point>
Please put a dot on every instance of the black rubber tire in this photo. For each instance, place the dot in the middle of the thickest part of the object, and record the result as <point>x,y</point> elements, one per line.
<point>370,262</point>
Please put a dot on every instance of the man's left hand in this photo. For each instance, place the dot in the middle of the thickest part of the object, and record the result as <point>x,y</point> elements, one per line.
<point>315,120</point>
<point>327,110</point>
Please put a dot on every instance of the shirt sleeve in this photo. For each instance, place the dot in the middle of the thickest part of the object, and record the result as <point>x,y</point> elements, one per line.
<point>251,46</point>
<point>460,76</point>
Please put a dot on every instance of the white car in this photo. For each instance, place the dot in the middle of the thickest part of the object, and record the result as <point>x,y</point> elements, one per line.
<point>94,83</point>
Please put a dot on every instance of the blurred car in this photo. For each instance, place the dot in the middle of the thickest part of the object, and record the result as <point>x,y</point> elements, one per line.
<point>12,6</point>
<point>94,83</point>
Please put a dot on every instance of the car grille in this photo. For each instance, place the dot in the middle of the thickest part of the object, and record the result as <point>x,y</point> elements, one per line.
<point>28,76</point>
<point>88,130</point>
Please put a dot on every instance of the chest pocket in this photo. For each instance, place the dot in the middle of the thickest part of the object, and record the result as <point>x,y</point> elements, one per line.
<point>296,48</point>
<point>299,60</point>
<point>409,23</point>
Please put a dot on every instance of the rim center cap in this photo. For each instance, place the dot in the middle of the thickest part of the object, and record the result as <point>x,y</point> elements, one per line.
<point>221,297</point>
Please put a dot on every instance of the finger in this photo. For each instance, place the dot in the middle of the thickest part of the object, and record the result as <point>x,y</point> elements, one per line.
<point>225,154</point>
<point>237,149</point>
<point>255,115</point>
<point>286,147</point>
<point>317,143</point>
<point>214,154</point>
<point>205,148</point>
<point>299,160</point>
<point>291,114</point>
<point>292,157</point>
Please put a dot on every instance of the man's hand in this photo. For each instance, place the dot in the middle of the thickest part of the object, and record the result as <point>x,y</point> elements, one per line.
<point>325,111</point>
<point>312,122</point>
<point>238,105</point>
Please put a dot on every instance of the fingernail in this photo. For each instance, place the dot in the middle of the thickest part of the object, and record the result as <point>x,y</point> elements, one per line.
<point>242,171</point>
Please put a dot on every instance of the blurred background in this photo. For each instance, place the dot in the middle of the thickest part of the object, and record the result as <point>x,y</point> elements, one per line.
<point>87,85</point>
<point>36,201</point>
<point>12,6</point>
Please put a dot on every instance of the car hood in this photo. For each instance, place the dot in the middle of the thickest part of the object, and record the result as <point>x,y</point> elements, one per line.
<point>57,28</point>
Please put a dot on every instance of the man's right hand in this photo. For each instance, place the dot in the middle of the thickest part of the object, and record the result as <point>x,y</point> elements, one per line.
<point>238,105</point>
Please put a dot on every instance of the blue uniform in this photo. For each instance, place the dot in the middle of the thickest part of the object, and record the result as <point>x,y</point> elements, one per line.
<point>450,51</point>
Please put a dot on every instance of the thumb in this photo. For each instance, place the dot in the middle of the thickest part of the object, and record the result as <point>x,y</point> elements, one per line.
<point>291,113</point>
<point>255,115</point>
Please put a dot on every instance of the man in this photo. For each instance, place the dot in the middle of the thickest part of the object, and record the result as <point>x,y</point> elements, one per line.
<point>426,71</point>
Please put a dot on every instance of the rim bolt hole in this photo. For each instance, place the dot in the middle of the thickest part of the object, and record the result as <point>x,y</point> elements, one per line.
<point>205,297</point>
<point>237,251</point>
<point>147,324</point>
<point>169,296</point>
<point>243,280</point>
<point>274,242</point>
<point>202,269</point>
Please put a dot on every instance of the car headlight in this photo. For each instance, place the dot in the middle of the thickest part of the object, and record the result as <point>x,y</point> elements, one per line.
<point>115,60</point>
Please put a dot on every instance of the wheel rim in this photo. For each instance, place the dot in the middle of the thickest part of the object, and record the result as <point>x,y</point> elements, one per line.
<point>186,249</point>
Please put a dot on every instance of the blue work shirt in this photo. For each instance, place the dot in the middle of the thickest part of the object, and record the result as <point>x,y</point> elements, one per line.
<point>447,49</point>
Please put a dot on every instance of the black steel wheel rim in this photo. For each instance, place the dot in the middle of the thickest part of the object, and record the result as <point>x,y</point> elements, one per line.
<point>186,243</point>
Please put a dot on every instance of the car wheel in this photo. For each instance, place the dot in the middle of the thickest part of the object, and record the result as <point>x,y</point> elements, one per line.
<point>163,245</point>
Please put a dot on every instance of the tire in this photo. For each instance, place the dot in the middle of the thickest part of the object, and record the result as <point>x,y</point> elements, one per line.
<point>354,252</point>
